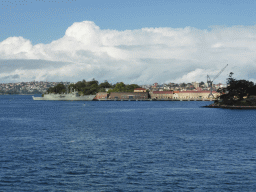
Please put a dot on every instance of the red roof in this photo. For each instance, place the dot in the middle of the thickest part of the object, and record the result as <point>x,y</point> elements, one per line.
<point>139,89</point>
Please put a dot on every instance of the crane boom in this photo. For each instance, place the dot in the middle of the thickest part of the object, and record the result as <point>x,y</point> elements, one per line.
<point>210,82</point>
<point>219,73</point>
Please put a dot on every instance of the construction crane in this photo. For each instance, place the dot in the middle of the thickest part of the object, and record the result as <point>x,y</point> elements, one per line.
<point>210,82</point>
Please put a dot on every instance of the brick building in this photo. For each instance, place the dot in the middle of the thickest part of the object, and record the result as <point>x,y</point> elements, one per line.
<point>128,95</point>
<point>101,95</point>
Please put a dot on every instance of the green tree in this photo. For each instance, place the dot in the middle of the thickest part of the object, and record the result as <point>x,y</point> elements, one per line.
<point>252,90</point>
<point>130,88</point>
<point>60,88</point>
<point>85,87</point>
<point>121,87</point>
<point>106,84</point>
<point>201,84</point>
<point>236,90</point>
<point>183,85</point>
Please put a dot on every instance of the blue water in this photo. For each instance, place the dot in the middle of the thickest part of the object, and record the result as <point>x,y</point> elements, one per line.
<point>125,146</point>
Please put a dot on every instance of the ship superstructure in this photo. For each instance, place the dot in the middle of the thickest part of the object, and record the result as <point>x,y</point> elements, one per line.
<point>73,96</point>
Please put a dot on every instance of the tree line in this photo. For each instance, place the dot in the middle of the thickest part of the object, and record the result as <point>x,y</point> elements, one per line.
<point>238,92</point>
<point>92,87</point>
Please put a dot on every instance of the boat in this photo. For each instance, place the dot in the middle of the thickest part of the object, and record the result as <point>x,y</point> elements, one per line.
<point>74,96</point>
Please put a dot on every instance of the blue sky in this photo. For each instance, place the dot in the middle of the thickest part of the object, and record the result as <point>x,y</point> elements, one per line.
<point>42,22</point>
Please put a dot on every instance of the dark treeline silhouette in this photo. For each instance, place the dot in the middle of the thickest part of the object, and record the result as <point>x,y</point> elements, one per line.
<point>238,92</point>
<point>92,87</point>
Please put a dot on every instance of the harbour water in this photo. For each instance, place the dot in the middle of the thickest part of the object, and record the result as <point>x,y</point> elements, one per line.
<point>125,146</point>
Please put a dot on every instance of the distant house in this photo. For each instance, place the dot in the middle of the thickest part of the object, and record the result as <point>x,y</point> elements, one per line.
<point>107,89</point>
<point>140,90</point>
<point>195,84</point>
<point>154,86</point>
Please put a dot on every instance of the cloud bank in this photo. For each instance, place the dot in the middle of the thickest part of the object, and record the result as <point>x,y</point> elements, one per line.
<point>142,56</point>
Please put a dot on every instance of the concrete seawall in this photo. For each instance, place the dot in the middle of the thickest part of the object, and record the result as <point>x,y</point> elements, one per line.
<point>151,100</point>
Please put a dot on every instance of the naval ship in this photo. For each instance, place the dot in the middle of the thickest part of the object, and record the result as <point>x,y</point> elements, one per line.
<point>73,96</point>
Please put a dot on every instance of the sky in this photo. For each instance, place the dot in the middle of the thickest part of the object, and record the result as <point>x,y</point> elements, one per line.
<point>135,41</point>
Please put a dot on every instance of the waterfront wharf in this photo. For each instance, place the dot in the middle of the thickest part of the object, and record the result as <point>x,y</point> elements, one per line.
<point>154,100</point>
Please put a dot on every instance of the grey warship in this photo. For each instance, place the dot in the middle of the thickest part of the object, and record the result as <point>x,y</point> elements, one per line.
<point>73,96</point>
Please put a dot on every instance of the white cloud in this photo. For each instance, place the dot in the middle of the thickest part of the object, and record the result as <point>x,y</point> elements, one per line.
<point>197,75</point>
<point>140,56</point>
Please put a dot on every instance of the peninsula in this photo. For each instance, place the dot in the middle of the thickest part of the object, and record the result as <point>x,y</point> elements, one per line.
<point>239,94</point>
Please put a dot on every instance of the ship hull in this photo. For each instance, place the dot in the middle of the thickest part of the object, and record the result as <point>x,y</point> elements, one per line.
<point>64,98</point>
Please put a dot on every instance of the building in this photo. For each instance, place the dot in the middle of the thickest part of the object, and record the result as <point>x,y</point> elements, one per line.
<point>128,95</point>
<point>195,84</point>
<point>182,95</point>
<point>161,95</point>
<point>101,96</point>
<point>195,95</point>
<point>140,90</point>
